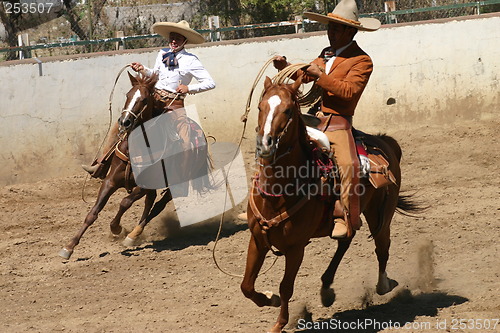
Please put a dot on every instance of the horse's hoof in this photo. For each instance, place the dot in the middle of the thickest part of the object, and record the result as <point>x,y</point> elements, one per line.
<point>385,284</point>
<point>128,242</point>
<point>65,253</point>
<point>274,300</point>
<point>327,296</point>
<point>116,230</point>
<point>278,328</point>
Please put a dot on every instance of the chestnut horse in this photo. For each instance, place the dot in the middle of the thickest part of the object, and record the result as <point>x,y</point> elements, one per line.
<point>285,222</point>
<point>138,108</point>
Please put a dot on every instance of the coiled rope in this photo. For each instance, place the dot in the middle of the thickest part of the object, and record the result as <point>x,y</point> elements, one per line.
<point>307,99</point>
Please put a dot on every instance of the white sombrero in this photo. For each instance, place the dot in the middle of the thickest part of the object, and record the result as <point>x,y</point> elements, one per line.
<point>346,12</point>
<point>165,28</point>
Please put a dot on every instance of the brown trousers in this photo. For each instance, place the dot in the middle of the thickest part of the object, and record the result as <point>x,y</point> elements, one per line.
<point>344,150</point>
<point>177,113</point>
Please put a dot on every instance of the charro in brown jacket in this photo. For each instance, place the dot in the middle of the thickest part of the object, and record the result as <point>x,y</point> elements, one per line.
<point>346,80</point>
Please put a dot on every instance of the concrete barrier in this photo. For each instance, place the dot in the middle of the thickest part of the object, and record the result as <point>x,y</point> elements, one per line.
<point>54,115</point>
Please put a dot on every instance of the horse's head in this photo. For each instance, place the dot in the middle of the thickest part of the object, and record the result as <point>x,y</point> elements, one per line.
<point>139,101</point>
<point>278,108</point>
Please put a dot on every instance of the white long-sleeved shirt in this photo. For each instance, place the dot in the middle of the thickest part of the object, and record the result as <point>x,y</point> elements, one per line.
<point>189,66</point>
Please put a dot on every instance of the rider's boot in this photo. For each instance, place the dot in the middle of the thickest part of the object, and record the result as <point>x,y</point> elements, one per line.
<point>99,167</point>
<point>340,229</point>
<point>91,169</point>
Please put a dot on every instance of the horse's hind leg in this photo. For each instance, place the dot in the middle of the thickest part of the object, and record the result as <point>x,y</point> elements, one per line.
<point>376,214</point>
<point>327,293</point>
<point>255,258</point>
<point>125,204</point>
<point>159,206</point>
<point>148,204</point>
<point>105,192</point>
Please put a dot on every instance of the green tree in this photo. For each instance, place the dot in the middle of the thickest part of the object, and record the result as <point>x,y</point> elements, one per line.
<point>278,10</point>
<point>238,12</point>
<point>235,12</point>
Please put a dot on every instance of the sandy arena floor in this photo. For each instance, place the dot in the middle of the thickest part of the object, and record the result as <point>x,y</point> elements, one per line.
<point>446,263</point>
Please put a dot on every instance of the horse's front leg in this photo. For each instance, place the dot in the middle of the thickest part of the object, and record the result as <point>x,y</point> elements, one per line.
<point>293,261</point>
<point>255,258</point>
<point>107,189</point>
<point>125,204</point>
<point>327,293</point>
<point>148,204</point>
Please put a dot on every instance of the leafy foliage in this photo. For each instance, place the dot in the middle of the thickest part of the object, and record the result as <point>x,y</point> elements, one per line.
<point>276,10</point>
<point>258,11</point>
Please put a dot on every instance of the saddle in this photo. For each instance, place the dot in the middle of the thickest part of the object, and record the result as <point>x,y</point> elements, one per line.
<point>374,164</point>
<point>161,158</point>
<point>378,174</point>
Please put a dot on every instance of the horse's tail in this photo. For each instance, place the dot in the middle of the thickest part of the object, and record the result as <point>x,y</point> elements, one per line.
<point>204,182</point>
<point>408,206</point>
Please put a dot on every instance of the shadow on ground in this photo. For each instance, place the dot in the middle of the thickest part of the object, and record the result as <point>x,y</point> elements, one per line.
<point>202,233</point>
<point>400,311</point>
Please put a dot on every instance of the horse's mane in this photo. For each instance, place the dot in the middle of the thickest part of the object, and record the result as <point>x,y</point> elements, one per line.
<point>145,80</point>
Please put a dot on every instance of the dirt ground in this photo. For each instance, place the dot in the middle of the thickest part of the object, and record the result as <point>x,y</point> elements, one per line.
<point>446,262</point>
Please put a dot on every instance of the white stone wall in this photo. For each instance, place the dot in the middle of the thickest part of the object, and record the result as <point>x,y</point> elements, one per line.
<point>437,72</point>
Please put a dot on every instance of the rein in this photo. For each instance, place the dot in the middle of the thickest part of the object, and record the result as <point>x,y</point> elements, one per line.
<point>287,213</point>
<point>244,119</point>
<point>110,99</point>
<point>305,100</point>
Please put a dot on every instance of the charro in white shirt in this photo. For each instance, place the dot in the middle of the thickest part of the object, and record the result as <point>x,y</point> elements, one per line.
<point>189,67</point>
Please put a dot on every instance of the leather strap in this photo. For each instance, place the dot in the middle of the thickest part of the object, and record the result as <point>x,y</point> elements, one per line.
<point>281,217</point>
<point>129,178</point>
<point>333,122</point>
<point>121,155</point>
<point>164,94</point>
<point>354,204</point>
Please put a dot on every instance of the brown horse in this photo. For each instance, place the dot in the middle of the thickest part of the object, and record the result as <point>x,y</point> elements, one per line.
<point>287,220</point>
<point>139,107</point>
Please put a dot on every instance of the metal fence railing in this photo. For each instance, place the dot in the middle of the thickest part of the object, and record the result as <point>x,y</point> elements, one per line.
<point>33,29</point>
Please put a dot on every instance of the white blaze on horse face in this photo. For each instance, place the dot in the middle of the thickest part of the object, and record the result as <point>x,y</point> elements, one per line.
<point>273,101</point>
<point>134,99</point>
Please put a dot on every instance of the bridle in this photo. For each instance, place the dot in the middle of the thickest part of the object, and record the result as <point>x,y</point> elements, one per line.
<point>129,113</point>
<point>280,136</point>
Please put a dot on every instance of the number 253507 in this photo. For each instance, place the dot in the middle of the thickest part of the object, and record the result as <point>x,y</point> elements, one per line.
<point>27,8</point>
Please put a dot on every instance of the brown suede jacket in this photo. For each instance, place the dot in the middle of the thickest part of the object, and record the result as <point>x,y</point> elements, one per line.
<point>344,84</point>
